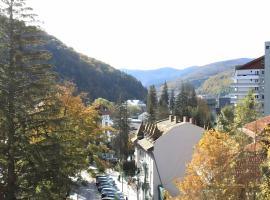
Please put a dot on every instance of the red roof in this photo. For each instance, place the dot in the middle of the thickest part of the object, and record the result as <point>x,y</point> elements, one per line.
<point>254,64</point>
<point>258,125</point>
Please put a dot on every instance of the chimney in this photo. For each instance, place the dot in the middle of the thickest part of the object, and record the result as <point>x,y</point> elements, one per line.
<point>184,119</point>
<point>171,118</point>
<point>176,119</point>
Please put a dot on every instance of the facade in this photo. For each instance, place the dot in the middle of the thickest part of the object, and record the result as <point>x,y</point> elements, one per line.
<point>249,76</point>
<point>162,151</point>
<point>267,79</point>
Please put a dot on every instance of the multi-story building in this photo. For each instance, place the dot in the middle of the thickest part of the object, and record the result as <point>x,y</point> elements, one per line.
<point>255,76</point>
<point>162,151</point>
<point>249,77</point>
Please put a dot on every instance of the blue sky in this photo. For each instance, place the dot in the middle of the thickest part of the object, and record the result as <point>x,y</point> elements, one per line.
<point>147,34</point>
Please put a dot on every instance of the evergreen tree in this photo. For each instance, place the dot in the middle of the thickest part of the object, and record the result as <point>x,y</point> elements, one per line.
<point>121,124</point>
<point>163,107</point>
<point>172,102</point>
<point>46,135</point>
<point>152,103</point>
<point>27,101</point>
<point>181,103</point>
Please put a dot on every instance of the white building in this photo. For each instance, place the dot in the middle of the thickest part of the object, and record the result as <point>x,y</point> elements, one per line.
<point>162,151</point>
<point>255,76</point>
<point>249,76</point>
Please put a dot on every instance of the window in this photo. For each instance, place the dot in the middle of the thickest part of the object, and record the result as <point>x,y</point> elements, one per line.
<point>262,71</point>
<point>256,72</point>
<point>256,88</point>
<point>251,80</point>
<point>256,80</point>
<point>256,96</point>
<point>267,47</point>
<point>262,96</point>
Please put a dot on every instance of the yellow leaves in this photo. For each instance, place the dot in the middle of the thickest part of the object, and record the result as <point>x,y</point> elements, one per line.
<point>211,166</point>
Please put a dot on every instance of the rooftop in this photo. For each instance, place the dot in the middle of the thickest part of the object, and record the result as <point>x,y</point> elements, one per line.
<point>258,125</point>
<point>148,133</point>
<point>258,63</point>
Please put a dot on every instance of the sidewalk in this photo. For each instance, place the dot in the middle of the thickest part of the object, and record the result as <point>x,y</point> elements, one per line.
<point>127,189</point>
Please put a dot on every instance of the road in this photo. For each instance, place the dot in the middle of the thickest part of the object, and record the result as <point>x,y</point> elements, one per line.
<point>88,192</point>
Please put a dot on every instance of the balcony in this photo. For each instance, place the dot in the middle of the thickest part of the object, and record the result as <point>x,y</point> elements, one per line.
<point>248,85</point>
<point>247,76</point>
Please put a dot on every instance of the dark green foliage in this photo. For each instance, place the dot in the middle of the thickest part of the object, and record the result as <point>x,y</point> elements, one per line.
<point>187,104</point>
<point>92,76</point>
<point>163,107</point>
<point>121,141</point>
<point>27,109</point>
<point>172,102</point>
<point>185,100</point>
<point>129,168</point>
<point>152,103</point>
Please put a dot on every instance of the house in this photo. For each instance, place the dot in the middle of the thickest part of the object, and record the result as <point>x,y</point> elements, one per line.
<point>248,165</point>
<point>162,150</point>
<point>255,76</point>
<point>253,129</point>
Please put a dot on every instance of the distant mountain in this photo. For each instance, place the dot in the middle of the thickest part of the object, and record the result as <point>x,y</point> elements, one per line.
<point>203,73</point>
<point>218,72</point>
<point>158,76</point>
<point>92,76</point>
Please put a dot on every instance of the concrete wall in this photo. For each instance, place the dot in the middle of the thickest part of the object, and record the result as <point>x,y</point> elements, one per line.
<point>173,151</point>
<point>267,80</point>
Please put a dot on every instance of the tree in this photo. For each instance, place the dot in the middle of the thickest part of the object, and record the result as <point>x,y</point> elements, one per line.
<point>201,114</point>
<point>185,100</point>
<point>246,110</point>
<point>210,175</point>
<point>46,135</point>
<point>172,101</point>
<point>152,103</point>
<point>163,107</point>
<point>27,98</point>
<point>121,124</point>
<point>225,120</point>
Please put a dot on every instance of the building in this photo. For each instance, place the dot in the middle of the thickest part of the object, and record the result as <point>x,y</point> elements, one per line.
<point>249,76</point>
<point>255,76</point>
<point>253,129</point>
<point>162,151</point>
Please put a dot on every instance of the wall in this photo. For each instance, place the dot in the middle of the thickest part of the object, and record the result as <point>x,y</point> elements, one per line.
<point>267,80</point>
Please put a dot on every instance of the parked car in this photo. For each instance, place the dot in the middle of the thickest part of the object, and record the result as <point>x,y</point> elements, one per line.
<point>102,186</point>
<point>107,198</point>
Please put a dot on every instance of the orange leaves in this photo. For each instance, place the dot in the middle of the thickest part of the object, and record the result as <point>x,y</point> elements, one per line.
<point>211,167</point>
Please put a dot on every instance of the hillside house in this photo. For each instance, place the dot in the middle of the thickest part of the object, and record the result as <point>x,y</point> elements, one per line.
<point>162,151</point>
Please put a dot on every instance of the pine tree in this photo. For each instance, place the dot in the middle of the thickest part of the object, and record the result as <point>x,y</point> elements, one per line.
<point>163,107</point>
<point>152,103</point>
<point>181,103</point>
<point>172,102</point>
<point>121,124</point>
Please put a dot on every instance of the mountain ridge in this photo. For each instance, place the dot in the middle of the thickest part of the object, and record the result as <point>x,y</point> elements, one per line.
<point>90,75</point>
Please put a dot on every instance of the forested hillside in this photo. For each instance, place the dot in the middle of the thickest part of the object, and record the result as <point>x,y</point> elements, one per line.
<point>218,84</point>
<point>94,77</point>
<point>203,73</point>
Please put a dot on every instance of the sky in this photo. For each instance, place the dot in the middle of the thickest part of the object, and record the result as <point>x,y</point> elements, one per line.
<point>149,34</point>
